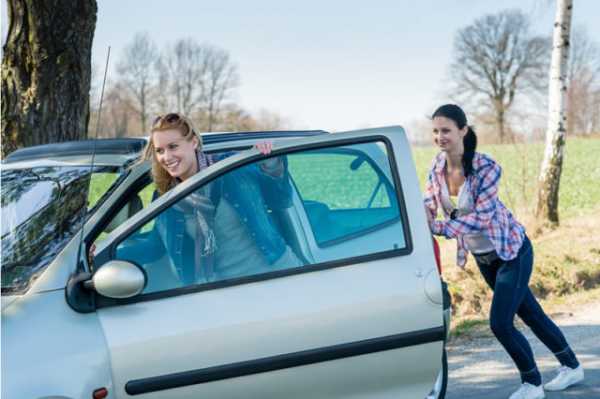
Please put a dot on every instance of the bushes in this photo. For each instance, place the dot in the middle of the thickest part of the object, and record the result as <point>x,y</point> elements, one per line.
<point>562,267</point>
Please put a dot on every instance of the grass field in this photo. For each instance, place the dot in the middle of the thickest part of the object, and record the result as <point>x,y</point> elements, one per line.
<point>579,184</point>
<point>567,259</point>
<point>566,273</point>
<point>579,189</point>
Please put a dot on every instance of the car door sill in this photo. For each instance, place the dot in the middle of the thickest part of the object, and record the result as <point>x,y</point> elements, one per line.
<point>283,361</point>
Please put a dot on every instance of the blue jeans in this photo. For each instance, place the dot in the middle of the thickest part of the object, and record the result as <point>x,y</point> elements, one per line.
<point>509,280</point>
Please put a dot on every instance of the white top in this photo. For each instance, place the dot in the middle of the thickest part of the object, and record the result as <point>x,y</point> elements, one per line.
<point>477,243</point>
<point>237,254</point>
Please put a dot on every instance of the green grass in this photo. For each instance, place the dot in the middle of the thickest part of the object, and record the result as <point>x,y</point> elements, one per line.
<point>329,180</point>
<point>567,259</point>
<point>579,184</point>
<point>100,182</point>
<point>579,188</point>
<point>466,327</point>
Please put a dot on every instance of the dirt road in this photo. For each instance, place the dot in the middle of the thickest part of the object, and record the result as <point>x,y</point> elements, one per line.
<point>479,367</point>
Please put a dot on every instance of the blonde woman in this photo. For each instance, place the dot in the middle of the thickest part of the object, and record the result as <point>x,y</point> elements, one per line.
<point>234,235</point>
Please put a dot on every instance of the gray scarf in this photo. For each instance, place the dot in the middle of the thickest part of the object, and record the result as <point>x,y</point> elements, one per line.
<point>205,209</point>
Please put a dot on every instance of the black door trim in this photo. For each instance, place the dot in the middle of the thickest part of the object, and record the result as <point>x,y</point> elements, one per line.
<point>279,362</point>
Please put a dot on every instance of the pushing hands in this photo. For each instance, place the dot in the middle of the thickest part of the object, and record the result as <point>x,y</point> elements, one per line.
<point>265,147</point>
<point>429,216</point>
<point>271,166</point>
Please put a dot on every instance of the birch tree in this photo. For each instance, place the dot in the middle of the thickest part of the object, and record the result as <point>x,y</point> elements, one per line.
<point>549,179</point>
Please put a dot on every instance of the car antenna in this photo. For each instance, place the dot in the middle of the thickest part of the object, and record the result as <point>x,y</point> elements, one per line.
<point>98,119</point>
<point>79,297</point>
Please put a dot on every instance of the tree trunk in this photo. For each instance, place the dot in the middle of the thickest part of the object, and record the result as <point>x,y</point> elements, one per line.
<point>549,180</point>
<point>46,72</point>
<point>500,124</point>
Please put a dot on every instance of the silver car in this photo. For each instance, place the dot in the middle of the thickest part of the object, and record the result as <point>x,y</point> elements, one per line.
<point>106,293</point>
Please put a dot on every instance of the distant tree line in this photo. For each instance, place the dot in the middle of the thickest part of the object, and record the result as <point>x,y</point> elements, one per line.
<point>196,79</point>
<point>497,62</point>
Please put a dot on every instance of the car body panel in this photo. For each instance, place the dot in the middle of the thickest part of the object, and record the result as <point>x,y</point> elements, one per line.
<point>76,160</point>
<point>301,313</point>
<point>258,320</point>
<point>7,300</point>
<point>49,350</point>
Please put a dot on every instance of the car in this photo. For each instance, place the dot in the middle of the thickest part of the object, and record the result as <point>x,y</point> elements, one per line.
<point>96,305</point>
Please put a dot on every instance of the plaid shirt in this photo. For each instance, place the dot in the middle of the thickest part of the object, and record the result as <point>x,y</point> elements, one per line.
<point>489,216</point>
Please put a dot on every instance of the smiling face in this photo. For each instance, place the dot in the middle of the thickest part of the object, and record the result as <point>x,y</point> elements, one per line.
<point>175,154</point>
<point>447,136</point>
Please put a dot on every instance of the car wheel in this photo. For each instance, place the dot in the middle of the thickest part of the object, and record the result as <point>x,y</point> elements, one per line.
<point>441,382</point>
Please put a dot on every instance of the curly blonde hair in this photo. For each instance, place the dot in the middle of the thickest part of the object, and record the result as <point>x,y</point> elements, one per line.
<point>172,121</point>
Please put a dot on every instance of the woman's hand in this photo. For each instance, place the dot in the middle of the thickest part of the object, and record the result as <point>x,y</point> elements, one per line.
<point>428,213</point>
<point>272,166</point>
<point>265,147</point>
<point>429,217</point>
<point>91,254</point>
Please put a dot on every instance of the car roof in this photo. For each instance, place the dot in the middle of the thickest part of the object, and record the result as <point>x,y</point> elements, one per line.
<point>107,151</point>
<point>120,151</point>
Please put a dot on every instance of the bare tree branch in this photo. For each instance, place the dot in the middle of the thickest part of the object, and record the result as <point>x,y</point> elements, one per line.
<point>495,59</point>
<point>137,74</point>
<point>583,90</point>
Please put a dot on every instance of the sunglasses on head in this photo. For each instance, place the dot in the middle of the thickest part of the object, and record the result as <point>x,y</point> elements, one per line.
<point>168,118</point>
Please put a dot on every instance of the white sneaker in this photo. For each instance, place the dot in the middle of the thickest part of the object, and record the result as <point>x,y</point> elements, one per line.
<point>528,391</point>
<point>565,378</point>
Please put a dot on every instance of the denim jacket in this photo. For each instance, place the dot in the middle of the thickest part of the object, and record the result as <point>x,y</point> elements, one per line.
<point>252,192</point>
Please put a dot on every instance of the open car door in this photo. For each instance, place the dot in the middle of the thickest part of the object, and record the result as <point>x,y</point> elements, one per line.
<point>331,299</point>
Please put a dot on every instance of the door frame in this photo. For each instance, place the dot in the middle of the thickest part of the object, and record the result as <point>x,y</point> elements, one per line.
<point>239,160</point>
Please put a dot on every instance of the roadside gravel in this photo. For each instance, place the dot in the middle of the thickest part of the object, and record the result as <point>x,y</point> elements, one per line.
<point>480,368</point>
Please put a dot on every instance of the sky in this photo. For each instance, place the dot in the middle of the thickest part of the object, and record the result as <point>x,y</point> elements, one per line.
<point>332,65</point>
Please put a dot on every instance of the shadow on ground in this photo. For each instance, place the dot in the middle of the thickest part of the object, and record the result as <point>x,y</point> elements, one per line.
<point>480,368</point>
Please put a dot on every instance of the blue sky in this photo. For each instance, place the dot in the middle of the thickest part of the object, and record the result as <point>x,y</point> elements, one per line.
<point>333,65</point>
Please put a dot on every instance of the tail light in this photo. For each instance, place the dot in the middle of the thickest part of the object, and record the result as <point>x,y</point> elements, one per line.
<point>436,251</point>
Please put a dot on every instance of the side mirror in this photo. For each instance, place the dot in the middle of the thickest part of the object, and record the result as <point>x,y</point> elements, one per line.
<point>118,279</point>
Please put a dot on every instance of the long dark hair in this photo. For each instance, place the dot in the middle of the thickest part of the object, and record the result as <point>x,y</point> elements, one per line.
<point>454,112</point>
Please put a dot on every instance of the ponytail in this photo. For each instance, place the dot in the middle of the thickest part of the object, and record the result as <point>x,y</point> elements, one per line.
<point>454,112</point>
<point>469,144</point>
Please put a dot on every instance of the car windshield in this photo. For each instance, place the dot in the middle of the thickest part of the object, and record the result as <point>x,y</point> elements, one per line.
<point>42,209</point>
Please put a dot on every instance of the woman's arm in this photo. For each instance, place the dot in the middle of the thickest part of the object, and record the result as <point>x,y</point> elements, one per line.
<point>270,178</point>
<point>485,206</point>
<point>429,199</point>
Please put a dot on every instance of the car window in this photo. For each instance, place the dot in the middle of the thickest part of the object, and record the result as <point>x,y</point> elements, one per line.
<point>135,203</point>
<point>354,194</point>
<point>42,209</point>
<point>245,222</point>
<point>99,185</point>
